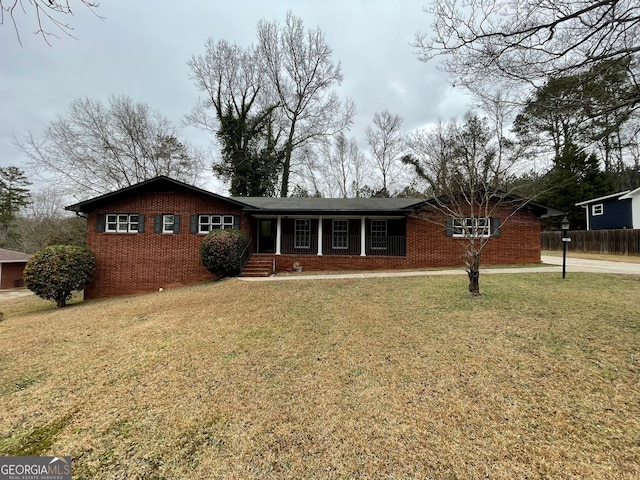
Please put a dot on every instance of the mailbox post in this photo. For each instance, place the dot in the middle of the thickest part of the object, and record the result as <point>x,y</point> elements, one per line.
<point>565,239</point>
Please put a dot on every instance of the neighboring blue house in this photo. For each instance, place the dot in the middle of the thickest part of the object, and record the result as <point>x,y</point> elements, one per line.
<point>619,210</point>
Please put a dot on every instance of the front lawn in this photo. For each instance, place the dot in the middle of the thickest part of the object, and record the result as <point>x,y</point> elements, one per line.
<point>360,378</point>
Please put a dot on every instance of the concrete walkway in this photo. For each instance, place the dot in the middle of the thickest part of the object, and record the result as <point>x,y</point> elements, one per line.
<point>14,293</point>
<point>553,265</point>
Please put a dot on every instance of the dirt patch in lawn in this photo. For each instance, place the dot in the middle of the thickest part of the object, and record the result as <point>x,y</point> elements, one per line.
<point>358,378</point>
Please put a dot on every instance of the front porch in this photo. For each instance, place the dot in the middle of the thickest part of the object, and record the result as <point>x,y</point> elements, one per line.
<point>319,236</point>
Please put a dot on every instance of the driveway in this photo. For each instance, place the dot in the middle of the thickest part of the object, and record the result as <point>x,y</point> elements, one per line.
<point>14,293</point>
<point>594,266</point>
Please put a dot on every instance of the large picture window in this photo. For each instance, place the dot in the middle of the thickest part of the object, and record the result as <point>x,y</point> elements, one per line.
<point>302,233</point>
<point>122,222</point>
<point>340,237</point>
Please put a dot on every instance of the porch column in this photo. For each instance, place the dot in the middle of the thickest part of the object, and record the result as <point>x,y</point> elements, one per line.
<point>363,239</point>
<point>320,235</point>
<point>278,234</point>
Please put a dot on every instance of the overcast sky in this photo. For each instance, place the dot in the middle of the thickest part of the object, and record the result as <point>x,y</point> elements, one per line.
<point>141,47</point>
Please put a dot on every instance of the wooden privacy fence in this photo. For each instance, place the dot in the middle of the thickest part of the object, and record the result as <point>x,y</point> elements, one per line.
<point>622,242</point>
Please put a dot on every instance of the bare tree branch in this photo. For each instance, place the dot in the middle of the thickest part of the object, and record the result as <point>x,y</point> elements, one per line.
<point>527,41</point>
<point>49,15</point>
<point>96,149</point>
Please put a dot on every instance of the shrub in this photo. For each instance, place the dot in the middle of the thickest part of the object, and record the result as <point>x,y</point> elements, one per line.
<point>55,272</point>
<point>221,251</point>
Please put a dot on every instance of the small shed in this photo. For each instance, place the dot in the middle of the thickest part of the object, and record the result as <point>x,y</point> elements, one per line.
<point>12,265</point>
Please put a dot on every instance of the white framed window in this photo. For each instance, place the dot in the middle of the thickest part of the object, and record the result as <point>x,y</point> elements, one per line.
<point>206,223</point>
<point>340,234</point>
<point>378,234</point>
<point>597,209</point>
<point>302,233</point>
<point>122,222</point>
<point>168,223</point>
<point>474,227</point>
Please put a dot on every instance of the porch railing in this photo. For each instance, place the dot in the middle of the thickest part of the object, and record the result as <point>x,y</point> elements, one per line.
<point>244,257</point>
<point>392,246</point>
<point>303,245</point>
<point>380,246</point>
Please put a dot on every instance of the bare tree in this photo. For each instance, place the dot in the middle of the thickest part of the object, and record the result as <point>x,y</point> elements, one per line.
<point>344,168</point>
<point>529,41</point>
<point>302,73</point>
<point>50,15</point>
<point>45,222</point>
<point>467,172</point>
<point>387,144</point>
<point>95,149</point>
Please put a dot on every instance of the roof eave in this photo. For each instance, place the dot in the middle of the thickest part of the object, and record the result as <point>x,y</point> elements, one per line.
<point>88,205</point>
<point>620,196</point>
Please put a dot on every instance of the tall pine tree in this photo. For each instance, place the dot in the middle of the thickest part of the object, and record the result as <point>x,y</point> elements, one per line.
<point>14,195</point>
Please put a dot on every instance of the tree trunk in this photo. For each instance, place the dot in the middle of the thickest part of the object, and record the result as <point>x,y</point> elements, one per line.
<point>61,301</point>
<point>474,282</point>
<point>473,271</point>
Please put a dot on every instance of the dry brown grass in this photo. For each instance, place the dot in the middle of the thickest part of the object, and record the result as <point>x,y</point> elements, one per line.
<point>366,378</point>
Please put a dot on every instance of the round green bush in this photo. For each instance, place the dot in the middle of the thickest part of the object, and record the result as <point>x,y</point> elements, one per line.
<point>221,251</point>
<point>55,272</point>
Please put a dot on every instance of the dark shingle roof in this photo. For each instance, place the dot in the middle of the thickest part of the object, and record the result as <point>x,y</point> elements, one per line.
<point>319,205</point>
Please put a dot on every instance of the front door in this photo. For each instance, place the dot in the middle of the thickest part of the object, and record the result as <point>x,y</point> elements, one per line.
<point>266,235</point>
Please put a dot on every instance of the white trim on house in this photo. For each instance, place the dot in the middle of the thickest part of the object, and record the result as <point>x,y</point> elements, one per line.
<point>278,235</point>
<point>320,236</point>
<point>597,209</point>
<point>630,194</point>
<point>474,227</point>
<point>214,221</point>
<point>606,197</point>
<point>122,223</point>
<point>339,234</point>
<point>168,222</point>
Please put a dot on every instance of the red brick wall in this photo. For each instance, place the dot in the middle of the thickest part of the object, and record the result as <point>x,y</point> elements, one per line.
<point>12,275</point>
<point>428,246</point>
<point>141,262</point>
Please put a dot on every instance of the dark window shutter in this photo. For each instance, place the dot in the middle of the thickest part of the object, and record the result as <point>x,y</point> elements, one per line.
<point>176,224</point>
<point>495,227</point>
<point>140,223</point>
<point>193,224</point>
<point>449,227</point>
<point>157,224</point>
<point>236,222</point>
<point>100,223</point>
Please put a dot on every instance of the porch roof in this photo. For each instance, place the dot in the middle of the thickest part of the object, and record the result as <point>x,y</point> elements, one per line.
<point>341,206</point>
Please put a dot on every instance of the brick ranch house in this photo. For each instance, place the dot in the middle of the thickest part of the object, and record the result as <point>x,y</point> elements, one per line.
<point>147,236</point>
